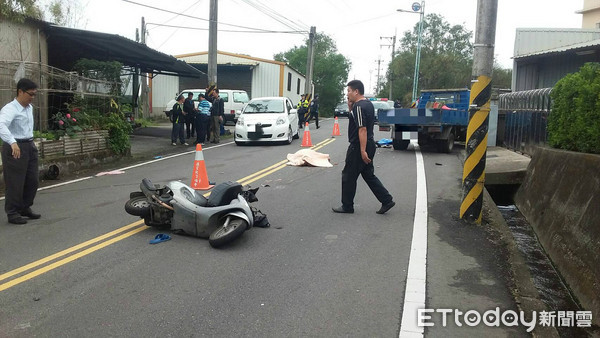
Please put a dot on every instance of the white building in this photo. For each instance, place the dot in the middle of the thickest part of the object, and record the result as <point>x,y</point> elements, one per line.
<point>258,77</point>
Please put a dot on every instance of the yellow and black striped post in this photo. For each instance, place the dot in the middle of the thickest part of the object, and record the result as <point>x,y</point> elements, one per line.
<point>476,147</point>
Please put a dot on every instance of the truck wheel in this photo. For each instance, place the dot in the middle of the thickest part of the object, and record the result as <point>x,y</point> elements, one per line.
<point>400,144</point>
<point>446,146</point>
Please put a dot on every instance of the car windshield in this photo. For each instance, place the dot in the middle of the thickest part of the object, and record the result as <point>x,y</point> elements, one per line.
<point>380,105</point>
<point>342,106</point>
<point>264,106</point>
<point>240,97</point>
<point>196,93</point>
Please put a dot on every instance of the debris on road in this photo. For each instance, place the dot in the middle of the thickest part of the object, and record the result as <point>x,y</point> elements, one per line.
<point>114,172</point>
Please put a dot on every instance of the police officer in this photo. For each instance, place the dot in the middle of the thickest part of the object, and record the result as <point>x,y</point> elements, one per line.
<point>300,108</point>
<point>360,153</point>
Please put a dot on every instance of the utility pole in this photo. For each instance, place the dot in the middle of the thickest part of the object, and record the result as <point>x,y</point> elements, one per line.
<point>378,70</point>
<point>212,43</point>
<point>145,103</point>
<point>393,45</point>
<point>479,111</point>
<point>310,59</point>
<point>135,86</point>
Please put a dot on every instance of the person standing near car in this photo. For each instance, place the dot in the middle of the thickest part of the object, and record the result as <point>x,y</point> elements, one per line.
<point>313,108</point>
<point>19,154</point>
<point>217,112</point>
<point>300,109</point>
<point>190,117</point>
<point>178,119</point>
<point>202,120</point>
<point>360,153</point>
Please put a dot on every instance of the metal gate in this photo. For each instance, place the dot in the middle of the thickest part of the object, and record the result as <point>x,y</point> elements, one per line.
<point>525,116</point>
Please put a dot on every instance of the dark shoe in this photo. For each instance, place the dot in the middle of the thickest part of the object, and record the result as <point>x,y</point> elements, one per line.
<point>17,220</point>
<point>341,210</point>
<point>318,127</point>
<point>30,214</point>
<point>386,207</point>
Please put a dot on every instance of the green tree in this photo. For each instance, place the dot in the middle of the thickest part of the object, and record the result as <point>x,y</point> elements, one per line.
<point>330,70</point>
<point>573,123</point>
<point>68,13</point>
<point>446,60</point>
<point>17,10</point>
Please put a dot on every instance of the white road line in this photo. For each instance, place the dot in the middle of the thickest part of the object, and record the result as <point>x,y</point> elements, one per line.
<point>414,296</point>
<point>130,167</point>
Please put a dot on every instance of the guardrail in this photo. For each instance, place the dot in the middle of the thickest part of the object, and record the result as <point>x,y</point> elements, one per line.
<point>525,116</point>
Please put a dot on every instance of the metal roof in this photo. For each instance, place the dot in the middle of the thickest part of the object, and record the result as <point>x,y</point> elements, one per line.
<point>224,58</point>
<point>537,41</point>
<point>67,45</point>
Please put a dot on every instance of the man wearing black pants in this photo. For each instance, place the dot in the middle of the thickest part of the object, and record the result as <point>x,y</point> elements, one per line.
<point>19,154</point>
<point>360,153</point>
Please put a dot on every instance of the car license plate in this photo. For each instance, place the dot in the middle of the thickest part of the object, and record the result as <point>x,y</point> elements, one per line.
<point>251,128</point>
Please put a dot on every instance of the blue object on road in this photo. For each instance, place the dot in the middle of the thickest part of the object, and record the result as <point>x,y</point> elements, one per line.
<point>160,238</point>
<point>384,141</point>
<point>157,157</point>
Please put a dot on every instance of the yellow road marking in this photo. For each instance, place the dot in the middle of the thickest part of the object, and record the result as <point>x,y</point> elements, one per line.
<point>246,180</point>
<point>68,259</point>
<point>67,251</point>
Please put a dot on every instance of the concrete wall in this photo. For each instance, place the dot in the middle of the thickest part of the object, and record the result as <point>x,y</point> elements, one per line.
<point>24,42</point>
<point>560,197</point>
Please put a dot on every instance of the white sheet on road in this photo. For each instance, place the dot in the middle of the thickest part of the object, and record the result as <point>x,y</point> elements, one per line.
<point>309,157</point>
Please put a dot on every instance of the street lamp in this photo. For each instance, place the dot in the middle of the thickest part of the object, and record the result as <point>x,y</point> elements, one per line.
<point>417,8</point>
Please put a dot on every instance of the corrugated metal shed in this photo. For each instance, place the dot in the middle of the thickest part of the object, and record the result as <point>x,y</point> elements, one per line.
<point>535,41</point>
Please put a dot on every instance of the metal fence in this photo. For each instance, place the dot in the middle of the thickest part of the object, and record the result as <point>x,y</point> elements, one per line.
<point>525,117</point>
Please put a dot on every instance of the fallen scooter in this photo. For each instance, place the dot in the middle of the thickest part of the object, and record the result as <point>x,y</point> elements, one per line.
<point>221,218</point>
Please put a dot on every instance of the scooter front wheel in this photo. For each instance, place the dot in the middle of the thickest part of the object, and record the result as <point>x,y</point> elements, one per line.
<point>138,206</point>
<point>231,228</point>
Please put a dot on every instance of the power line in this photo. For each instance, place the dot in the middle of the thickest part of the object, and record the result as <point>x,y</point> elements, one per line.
<point>225,30</point>
<point>261,7</point>
<point>196,18</point>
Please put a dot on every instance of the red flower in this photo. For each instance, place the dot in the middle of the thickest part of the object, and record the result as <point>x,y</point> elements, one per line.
<point>75,110</point>
<point>68,116</point>
<point>61,122</point>
<point>74,120</point>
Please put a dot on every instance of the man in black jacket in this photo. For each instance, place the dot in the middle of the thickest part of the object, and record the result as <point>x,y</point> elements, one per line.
<point>217,113</point>
<point>190,117</point>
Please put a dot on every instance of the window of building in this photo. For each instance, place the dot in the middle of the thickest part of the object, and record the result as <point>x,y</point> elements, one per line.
<point>289,82</point>
<point>298,87</point>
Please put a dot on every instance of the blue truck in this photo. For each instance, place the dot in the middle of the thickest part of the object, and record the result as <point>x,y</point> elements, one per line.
<point>440,117</point>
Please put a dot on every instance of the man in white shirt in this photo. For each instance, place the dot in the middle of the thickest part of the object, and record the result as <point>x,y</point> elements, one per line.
<point>19,154</point>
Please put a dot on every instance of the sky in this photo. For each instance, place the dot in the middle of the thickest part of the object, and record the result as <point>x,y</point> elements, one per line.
<point>357,27</point>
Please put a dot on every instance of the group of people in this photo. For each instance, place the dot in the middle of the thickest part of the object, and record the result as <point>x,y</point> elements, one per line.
<point>204,121</point>
<point>307,110</point>
<point>20,155</point>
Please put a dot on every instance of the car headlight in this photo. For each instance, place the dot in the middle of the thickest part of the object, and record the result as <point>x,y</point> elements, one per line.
<point>280,120</point>
<point>240,121</point>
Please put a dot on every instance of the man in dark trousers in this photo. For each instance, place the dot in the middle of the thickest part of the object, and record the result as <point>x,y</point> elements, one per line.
<point>313,108</point>
<point>19,154</point>
<point>360,153</point>
<point>190,117</point>
<point>217,113</point>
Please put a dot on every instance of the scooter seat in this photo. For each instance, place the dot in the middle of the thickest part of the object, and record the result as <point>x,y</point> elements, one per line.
<point>224,193</point>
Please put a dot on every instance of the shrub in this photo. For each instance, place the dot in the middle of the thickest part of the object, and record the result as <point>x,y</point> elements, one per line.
<point>574,123</point>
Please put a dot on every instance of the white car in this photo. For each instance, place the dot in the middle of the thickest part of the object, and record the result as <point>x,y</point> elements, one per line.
<point>267,119</point>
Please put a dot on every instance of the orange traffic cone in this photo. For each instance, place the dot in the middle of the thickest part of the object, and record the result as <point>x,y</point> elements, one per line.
<point>199,176</point>
<point>336,128</point>
<point>306,138</point>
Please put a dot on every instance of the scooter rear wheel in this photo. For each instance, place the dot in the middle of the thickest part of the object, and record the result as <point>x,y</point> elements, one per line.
<point>228,231</point>
<point>138,206</point>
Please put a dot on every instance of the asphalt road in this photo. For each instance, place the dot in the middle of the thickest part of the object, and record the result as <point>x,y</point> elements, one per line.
<point>313,273</point>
